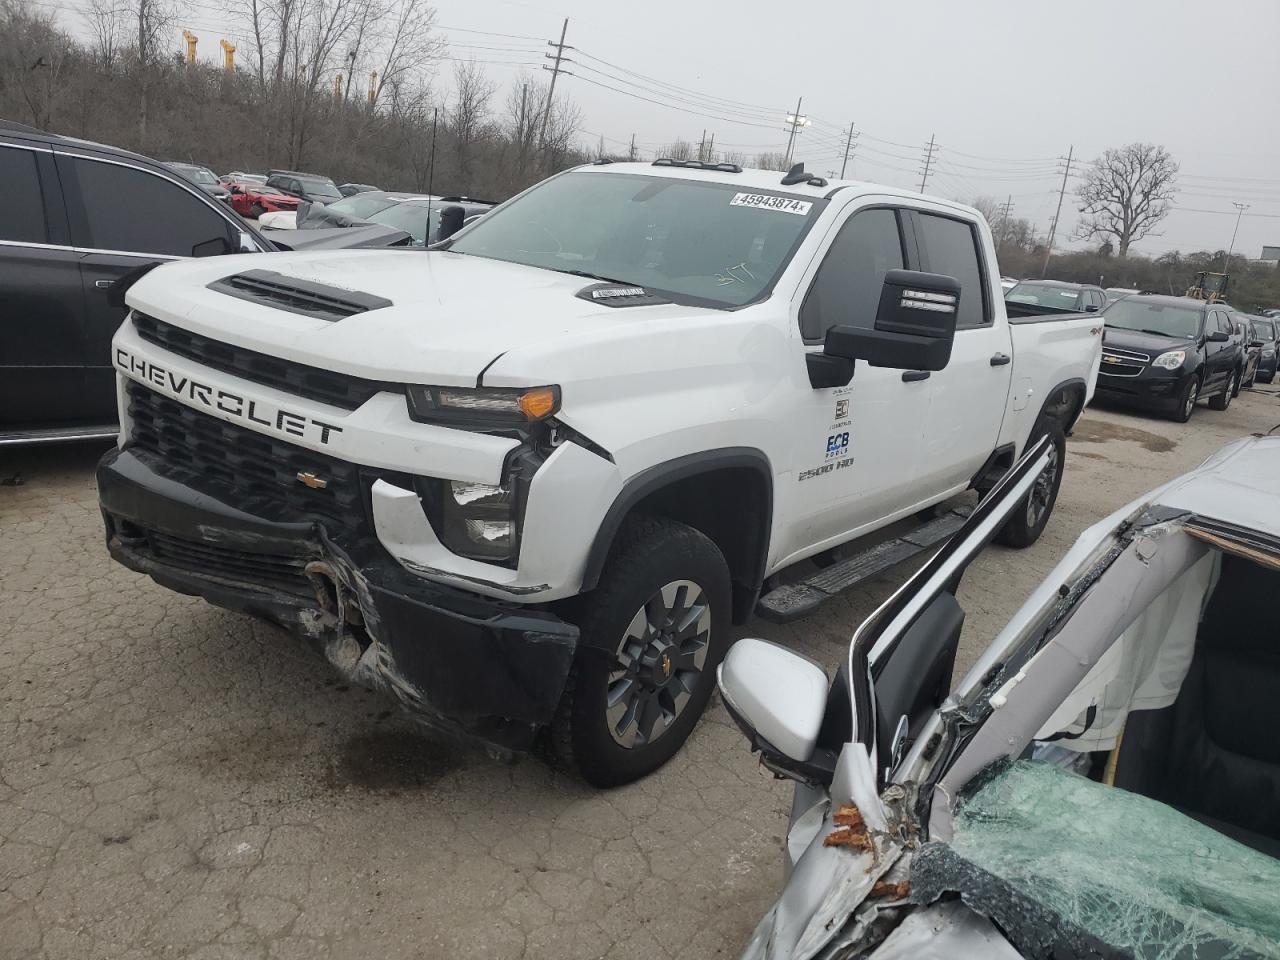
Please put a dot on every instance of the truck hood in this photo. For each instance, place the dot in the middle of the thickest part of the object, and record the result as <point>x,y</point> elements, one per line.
<point>1149,343</point>
<point>450,316</point>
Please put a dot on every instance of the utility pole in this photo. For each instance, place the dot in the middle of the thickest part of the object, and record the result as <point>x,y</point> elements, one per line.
<point>702,144</point>
<point>142,85</point>
<point>928,162</point>
<point>555,72</point>
<point>848,147</point>
<point>1240,209</point>
<point>1004,224</point>
<point>631,154</point>
<point>1053,225</point>
<point>795,122</point>
<point>711,148</point>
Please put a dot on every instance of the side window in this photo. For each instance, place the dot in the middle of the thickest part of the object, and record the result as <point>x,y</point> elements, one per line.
<point>22,212</point>
<point>951,248</point>
<point>138,212</point>
<point>847,286</point>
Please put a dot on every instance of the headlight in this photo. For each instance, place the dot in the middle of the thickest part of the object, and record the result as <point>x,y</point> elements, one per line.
<point>484,407</point>
<point>1171,360</point>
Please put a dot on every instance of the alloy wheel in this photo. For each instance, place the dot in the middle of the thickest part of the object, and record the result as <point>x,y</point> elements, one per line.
<point>658,664</point>
<point>1041,494</point>
<point>1192,396</point>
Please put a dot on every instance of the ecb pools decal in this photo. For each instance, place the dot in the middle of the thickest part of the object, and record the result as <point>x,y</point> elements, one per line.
<point>836,456</point>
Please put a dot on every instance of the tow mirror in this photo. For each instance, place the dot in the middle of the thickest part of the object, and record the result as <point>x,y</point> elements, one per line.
<point>1218,336</point>
<point>212,248</point>
<point>914,328</point>
<point>776,696</point>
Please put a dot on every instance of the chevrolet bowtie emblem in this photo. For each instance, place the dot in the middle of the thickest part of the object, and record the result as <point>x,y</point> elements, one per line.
<point>311,480</point>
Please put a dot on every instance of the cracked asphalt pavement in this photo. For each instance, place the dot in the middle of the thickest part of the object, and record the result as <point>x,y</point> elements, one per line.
<point>181,781</point>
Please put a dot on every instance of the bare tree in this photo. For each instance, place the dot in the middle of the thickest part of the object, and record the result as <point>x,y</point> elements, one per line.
<point>679,150</point>
<point>1126,192</point>
<point>468,115</point>
<point>735,156</point>
<point>771,161</point>
<point>108,30</point>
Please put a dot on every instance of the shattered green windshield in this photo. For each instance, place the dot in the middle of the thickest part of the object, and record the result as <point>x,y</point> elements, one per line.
<point>1135,873</point>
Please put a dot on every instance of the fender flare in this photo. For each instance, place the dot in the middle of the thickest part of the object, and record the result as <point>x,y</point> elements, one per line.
<point>652,479</point>
<point>1073,384</point>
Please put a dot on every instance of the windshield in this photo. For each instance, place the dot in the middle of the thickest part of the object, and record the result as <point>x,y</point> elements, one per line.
<point>361,206</point>
<point>1044,295</point>
<point>1138,313</point>
<point>1266,331</point>
<point>706,243</point>
<point>319,186</point>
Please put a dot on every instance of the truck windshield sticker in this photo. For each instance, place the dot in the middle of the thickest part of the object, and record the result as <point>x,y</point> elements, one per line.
<point>766,202</point>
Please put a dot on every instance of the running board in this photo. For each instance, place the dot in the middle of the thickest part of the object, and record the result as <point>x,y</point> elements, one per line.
<point>105,431</point>
<point>795,600</point>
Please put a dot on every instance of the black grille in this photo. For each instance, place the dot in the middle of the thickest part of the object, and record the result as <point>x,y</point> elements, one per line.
<point>307,297</point>
<point>249,471</point>
<point>266,570</point>
<point>324,386</point>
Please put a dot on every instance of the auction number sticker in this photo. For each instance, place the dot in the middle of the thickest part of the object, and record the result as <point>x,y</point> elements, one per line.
<point>766,202</point>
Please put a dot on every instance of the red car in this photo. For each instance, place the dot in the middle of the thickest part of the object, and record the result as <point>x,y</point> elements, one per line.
<point>251,200</point>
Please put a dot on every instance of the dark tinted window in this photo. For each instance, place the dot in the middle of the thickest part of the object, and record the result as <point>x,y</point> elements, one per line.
<point>847,287</point>
<point>138,212</point>
<point>952,249</point>
<point>21,212</point>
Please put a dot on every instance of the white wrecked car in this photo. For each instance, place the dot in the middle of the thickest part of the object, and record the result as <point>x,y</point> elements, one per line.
<point>1105,782</point>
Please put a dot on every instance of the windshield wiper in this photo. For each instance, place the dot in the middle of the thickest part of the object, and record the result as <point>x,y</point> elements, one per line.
<point>1165,333</point>
<point>592,276</point>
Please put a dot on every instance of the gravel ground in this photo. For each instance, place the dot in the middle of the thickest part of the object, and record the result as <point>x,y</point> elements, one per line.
<point>181,781</point>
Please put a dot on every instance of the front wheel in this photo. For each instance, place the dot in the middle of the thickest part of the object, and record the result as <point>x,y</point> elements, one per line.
<point>652,634</point>
<point>1223,400</point>
<point>1187,402</point>
<point>1026,524</point>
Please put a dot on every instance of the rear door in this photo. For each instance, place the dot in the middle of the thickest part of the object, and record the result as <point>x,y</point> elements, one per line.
<point>124,217</point>
<point>968,397</point>
<point>42,343</point>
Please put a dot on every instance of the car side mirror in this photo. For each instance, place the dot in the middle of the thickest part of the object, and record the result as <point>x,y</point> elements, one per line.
<point>914,328</point>
<point>1092,308</point>
<point>1219,337</point>
<point>451,220</point>
<point>776,696</point>
<point>1257,343</point>
<point>212,248</point>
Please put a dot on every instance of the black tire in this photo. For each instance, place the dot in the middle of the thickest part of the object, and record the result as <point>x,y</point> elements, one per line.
<point>1187,401</point>
<point>256,211</point>
<point>1253,378</point>
<point>1223,400</point>
<point>1026,524</point>
<point>652,555</point>
<point>1238,383</point>
<point>1266,377</point>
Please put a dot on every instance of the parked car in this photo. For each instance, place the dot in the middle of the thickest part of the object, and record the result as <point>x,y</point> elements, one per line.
<point>304,186</point>
<point>202,177</point>
<point>411,214</point>
<point>1035,297</point>
<point>242,177</point>
<point>1007,283</point>
<point>1115,293</point>
<point>1101,783</point>
<point>254,200</point>
<point>538,470</point>
<point>1250,348</point>
<point>73,229</point>
<point>1167,353</point>
<point>357,207</point>
<point>1265,328</point>
<point>350,189</point>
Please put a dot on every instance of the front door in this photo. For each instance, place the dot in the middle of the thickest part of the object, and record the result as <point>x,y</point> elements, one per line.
<point>855,448</point>
<point>969,396</point>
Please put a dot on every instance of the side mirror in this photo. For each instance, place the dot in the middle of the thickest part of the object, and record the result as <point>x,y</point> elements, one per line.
<point>776,696</point>
<point>451,221</point>
<point>915,324</point>
<point>1219,337</point>
<point>212,248</point>
<point>1257,343</point>
<point>1092,308</point>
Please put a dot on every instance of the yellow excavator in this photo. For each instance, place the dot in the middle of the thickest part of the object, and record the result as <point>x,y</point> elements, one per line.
<point>1209,286</point>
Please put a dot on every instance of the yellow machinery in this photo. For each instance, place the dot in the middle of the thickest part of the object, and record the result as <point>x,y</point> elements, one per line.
<point>1209,286</point>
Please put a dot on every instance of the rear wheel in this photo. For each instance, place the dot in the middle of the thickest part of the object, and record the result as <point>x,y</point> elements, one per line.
<point>652,634</point>
<point>1187,402</point>
<point>1223,400</point>
<point>1028,521</point>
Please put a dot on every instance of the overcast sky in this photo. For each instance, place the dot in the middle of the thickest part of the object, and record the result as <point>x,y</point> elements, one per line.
<point>1006,86</point>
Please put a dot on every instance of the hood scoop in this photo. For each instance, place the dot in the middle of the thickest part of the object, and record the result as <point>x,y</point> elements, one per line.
<point>295,295</point>
<point>619,295</point>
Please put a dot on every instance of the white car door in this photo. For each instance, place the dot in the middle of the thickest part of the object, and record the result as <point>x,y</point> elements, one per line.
<point>968,397</point>
<point>855,448</point>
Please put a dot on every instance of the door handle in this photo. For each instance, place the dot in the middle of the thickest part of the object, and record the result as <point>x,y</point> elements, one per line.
<point>911,376</point>
<point>103,284</point>
<point>1000,359</point>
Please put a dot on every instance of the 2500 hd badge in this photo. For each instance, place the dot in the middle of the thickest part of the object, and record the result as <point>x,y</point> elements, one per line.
<point>224,401</point>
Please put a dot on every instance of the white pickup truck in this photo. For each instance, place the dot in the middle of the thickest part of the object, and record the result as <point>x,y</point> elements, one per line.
<point>529,480</point>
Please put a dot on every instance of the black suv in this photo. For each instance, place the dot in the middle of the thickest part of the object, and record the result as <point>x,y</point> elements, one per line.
<point>308,186</point>
<point>76,218</point>
<point>1168,352</point>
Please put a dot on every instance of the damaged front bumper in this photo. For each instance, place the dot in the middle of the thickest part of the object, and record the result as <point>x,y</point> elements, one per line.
<point>485,669</point>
